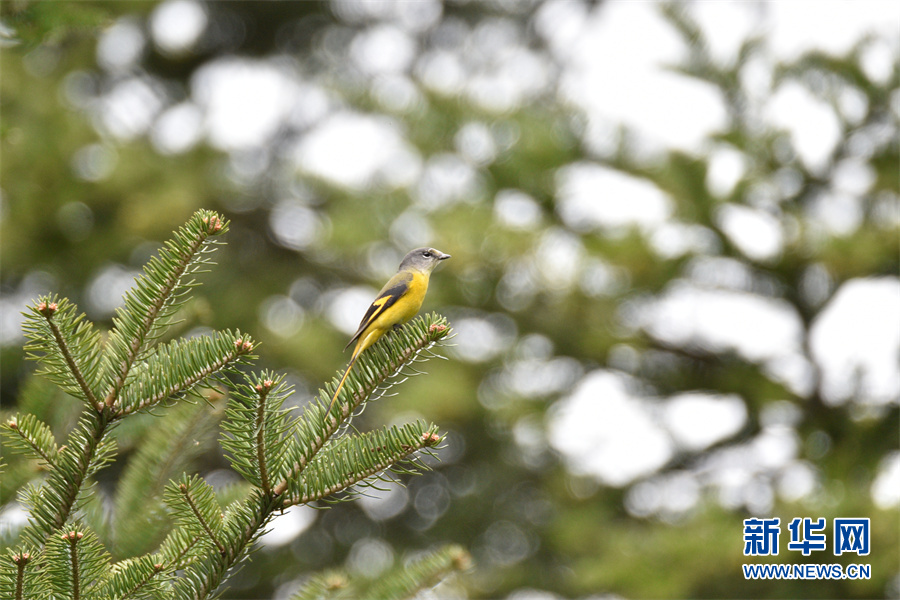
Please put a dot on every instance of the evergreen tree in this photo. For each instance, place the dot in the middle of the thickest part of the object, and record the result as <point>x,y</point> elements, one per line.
<point>182,540</point>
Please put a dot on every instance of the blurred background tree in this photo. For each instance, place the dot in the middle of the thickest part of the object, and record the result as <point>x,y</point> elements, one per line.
<point>674,231</point>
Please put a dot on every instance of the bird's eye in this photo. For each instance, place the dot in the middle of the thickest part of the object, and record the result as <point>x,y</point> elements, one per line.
<point>426,254</point>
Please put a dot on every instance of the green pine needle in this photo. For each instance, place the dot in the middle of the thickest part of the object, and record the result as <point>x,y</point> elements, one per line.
<point>75,563</point>
<point>420,573</point>
<point>194,506</point>
<point>354,459</point>
<point>255,429</point>
<point>157,294</point>
<point>140,578</point>
<point>66,345</point>
<point>175,368</point>
<point>30,436</point>
<point>170,448</point>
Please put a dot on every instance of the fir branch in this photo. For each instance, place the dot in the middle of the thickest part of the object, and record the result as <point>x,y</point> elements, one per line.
<point>194,504</point>
<point>20,560</point>
<point>75,564</point>
<point>21,575</point>
<point>256,429</point>
<point>85,452</point>
<point>137,374</point>
<point>244,522</point>
<point>354,459</point>
<point>168,450</point>
<point>29,435</point>
<point>263,389</point>
<point>177,367</point>
<point>140,577</point>
<point>72,358</point>
<point>147,307</point>
<point>330,584</point>
<point>384,360</point>
<point>184,546</point>
<point>424,572</point>
<point>17,575</point>
<point>73,538</point>
<point>157,293</point>
<point>373,370</point>
<point>47,311</point>
<point>179,549</point>
<point>254,420</point>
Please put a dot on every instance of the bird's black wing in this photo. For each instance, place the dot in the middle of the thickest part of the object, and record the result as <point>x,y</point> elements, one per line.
<point>393,291</point>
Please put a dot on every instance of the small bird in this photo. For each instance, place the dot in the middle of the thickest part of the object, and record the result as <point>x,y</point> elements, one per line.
<point>397,302</point>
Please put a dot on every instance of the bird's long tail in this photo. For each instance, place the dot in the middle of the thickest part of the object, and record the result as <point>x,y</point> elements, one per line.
<point>341,384</point>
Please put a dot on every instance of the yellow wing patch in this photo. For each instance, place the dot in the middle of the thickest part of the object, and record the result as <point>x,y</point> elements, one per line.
<point>379,305</point>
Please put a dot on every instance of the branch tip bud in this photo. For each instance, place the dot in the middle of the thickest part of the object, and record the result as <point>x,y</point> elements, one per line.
<point>335,581</point>
<point>47,309</point>
<point>213,224</point>
<point>242,345</point>
<point>429,438</point>
<point>461,560</point>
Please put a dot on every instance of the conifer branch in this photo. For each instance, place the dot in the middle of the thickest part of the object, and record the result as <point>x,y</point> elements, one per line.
<point>263,390</point>
<point>421,573</point>
<point>358,459</point>
<point>150,300</point>
<point>30,435</point>
<point>244,524</point>
<point>289,461</point>
<point>137,341</point>
<point>72,538</point>
<point>134,577</point>
<point>75,565</point>
<point>198,514</point>
<point>146,308</point>
<point>84,454</point>
<point>48,310</point>
<point>240,347</point>
<point>379,364</point>
<point>21,560</point>
<point>168,450</point>
<point>66,345</point>
<point>256,428</point>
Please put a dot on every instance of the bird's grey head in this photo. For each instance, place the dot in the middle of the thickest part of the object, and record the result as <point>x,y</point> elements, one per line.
<point>423,259</point>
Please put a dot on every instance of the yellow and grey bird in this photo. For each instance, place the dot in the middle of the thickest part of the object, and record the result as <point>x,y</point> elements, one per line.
<point>397,302</point>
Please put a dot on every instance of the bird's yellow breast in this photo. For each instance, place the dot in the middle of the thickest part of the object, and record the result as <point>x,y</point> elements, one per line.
<point>407,305</point>
<point>401,311</point>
